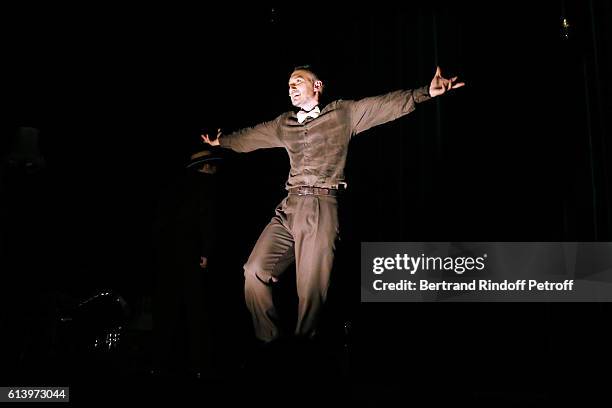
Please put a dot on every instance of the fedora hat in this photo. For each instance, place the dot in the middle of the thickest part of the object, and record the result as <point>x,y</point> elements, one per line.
<point>204,156</point>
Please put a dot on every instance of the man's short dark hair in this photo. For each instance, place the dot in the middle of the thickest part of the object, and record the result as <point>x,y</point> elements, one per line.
<point>313,71</point>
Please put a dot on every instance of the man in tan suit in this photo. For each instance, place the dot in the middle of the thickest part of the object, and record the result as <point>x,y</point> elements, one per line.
<point>305,227</point>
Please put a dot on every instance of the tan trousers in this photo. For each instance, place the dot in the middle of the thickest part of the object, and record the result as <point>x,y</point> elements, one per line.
<point>304,229</point>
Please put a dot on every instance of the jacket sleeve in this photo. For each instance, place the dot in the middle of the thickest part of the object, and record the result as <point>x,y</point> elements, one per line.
<point>376,110</point>
<point>263,136</point>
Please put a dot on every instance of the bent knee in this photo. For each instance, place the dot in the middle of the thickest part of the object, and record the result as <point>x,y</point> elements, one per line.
<point>252,269</point>
<point>256,271</point>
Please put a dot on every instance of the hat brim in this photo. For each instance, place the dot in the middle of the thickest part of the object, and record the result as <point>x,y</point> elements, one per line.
<point>203,160</point>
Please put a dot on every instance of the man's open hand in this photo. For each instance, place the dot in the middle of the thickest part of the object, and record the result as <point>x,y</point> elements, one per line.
<point>439,85</point>
<point>212,142</point>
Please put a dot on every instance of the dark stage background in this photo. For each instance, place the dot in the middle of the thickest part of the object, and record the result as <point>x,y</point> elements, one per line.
<point>120,95</point>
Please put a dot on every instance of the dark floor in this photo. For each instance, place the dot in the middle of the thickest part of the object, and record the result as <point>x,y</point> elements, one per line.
<point>408,355</point>
<point>287,372</point>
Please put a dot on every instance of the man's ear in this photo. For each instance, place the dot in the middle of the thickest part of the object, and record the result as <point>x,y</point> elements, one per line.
<point>318,85</point>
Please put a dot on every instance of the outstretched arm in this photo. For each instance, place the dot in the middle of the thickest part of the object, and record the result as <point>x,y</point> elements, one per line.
<point>264,135</point>
<point>376,110</point>
<point>373,111</point>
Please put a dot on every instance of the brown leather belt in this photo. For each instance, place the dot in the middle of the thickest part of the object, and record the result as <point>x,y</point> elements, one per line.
<point>313,191</point>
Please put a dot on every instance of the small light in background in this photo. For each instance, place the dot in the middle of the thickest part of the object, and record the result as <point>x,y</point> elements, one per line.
<point>273,16</point>
<point>565,28</point>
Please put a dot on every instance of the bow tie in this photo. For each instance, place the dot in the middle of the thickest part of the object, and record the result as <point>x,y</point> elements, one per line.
<point>302,115</point>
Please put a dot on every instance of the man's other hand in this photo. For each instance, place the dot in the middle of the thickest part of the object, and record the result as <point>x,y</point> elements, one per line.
<point>440,85</point>
<point>212,142</point>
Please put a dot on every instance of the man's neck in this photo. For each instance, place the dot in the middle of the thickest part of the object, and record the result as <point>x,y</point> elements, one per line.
<point>310,106</point>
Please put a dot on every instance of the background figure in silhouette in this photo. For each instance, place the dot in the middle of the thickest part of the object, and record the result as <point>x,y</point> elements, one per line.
<point>184,242</point>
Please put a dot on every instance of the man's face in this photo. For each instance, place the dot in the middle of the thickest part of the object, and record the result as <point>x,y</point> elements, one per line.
<point>303,89</point>
<point>208,168</point>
